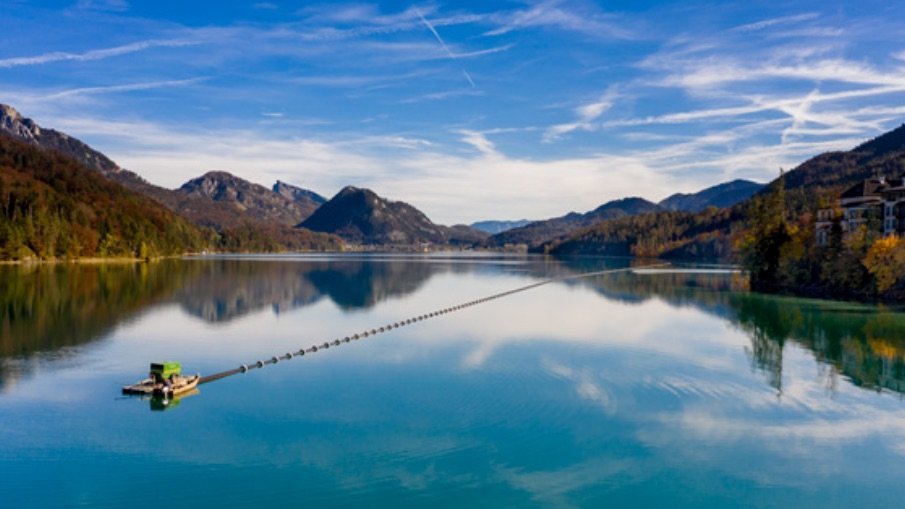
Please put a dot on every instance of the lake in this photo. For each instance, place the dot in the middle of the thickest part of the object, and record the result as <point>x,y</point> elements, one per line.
<point>652,389</point>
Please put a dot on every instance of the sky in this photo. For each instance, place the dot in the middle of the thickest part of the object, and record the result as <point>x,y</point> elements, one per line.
<point>469,110</point>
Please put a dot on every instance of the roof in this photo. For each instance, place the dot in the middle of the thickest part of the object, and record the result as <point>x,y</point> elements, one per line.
<point>893,184</point>
<point>864,189</point>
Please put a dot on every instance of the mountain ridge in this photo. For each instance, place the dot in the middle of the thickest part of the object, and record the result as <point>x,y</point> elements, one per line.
<point>266,227</point>
<point>708,235</point>
<point>361,216</point>
<point>538,232</point>
<point>721,195</point>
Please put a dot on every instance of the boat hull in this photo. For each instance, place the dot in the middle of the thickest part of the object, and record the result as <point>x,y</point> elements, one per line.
<point>148,387</point>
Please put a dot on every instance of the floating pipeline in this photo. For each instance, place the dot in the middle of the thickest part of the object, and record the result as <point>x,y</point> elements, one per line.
<point>244,368</point>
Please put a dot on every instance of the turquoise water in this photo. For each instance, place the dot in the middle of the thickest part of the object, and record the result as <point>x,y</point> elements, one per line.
<point>627,390</point>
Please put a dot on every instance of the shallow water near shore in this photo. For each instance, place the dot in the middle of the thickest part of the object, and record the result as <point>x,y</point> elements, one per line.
<point>652,389</point>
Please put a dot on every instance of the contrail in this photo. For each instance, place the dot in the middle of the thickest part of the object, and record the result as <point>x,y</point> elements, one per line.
<point>445,47</point>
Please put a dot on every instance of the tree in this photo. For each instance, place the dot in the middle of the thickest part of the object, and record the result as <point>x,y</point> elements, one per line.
<point>767,236</point>
<point>885,261</point>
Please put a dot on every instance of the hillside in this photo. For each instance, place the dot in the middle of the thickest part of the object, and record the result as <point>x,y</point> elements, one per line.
<point>25,129</point>
<point>362,217</point>
<point>52,206</point>
<point>245,216</point>
<point>538,232</point>
<point>710,235</point>
<point>722,195</point>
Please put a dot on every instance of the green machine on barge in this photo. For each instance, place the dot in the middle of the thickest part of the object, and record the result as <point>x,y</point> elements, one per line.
<point>165,379</point>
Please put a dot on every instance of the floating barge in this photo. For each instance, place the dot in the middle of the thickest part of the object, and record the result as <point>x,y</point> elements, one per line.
<point>164,380</point>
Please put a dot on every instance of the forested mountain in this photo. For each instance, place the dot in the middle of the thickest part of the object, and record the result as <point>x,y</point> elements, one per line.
<point>245,216</point>
<point>27,130</point>
<point>714,235</point>
<point>52,206</point>
<point>361,216</point>
<point>538,232</point>
<point>722,195</point>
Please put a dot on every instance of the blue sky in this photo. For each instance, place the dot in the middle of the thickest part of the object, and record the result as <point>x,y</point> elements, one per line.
<point>468,110</point>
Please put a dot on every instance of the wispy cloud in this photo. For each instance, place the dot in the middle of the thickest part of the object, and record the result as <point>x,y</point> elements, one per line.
<point>347,21</point>
<point>439,96</point>
<point>586,115</point>
<point>760,25</point>
<point>482,52</point>
<point>716,72</point>
<point>445,47</point>
<point>131,87</point>
<point>97,54</point>
<point>554,14</point>
<point>480,142</point>
<point>359,80</point>
<point>266,6</point>
<point>103,5</point>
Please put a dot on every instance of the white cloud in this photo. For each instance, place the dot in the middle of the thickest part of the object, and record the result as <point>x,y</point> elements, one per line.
<point>120,88</point>
<point>480,142</point>
<point>760,25</point>
<point>586,115</point>
<point>710,74</point>
<point>97,54</point>
<point>553,14</point>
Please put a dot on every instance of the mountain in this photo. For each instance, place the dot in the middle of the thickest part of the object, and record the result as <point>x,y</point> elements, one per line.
<point>362,217</point>
<point>538,232</point>
<point>252,200</point>
<point>245,216</point>
<point>297,194</point>
<point>881,156</point>
<point>722,195</point>
<point>25,129</point>
<point>493,227</point>
<point>52,206</point>
<point>709,234</point>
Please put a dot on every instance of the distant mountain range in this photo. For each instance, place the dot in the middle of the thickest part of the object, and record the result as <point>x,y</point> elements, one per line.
<point>247,216</point>
<point>707,235</point>
<point>361,216</point>
<point>232,214</point>
<point>721,195</point>
<point>538,232</point>
<point>492,227</point>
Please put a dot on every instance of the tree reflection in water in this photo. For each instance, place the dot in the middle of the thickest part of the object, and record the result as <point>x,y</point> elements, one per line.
<point>49,309</point>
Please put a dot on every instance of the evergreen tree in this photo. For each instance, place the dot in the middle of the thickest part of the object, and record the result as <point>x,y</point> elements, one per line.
<point>767,236</point>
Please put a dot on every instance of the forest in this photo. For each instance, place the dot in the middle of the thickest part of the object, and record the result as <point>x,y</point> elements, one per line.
<point>52,207</point>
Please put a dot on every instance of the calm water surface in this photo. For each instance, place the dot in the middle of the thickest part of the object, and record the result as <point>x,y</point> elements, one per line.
<point>626,390</point>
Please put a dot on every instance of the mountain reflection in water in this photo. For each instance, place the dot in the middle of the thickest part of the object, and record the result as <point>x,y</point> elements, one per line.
<point>50,309</point>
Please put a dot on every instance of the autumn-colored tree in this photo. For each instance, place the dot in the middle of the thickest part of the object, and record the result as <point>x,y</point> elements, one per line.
<point>885,260</point>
